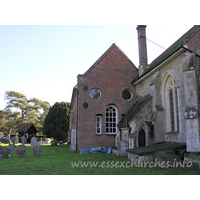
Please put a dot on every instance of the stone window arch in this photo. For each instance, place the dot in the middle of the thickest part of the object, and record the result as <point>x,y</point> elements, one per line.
<point>141,138</point>
<point>111,119</point>
<point>170,100</point>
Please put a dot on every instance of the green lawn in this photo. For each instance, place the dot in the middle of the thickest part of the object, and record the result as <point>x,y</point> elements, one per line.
<point>57,160</point>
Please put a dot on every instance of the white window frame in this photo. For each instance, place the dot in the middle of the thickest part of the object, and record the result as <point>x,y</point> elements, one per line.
<point>98,124</point>
<point>111,122</point>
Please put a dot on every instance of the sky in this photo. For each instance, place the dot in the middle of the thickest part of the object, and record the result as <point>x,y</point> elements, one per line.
<point>43,61</point>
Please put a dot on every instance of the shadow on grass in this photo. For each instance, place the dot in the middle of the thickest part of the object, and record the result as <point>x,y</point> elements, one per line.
<point>59,160</point>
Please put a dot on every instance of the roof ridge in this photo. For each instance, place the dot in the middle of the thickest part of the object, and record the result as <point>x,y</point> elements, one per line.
<point>99,59</point>
<point>103,55</point>
<point>169,51</point>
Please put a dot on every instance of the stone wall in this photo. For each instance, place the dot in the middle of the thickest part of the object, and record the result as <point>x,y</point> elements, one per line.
<point>138,159</point>
<point>181,67</point>
<point>155,85</point>
<point>194,157</point>
<point>138,122</point>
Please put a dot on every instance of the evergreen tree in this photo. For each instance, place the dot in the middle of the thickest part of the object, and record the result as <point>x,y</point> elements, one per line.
<point>9,121</point>
<point>18,101</point>
<point>57,121</point>
<point>33,110</point>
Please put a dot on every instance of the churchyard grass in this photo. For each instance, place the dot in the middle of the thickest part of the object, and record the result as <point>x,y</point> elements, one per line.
<point>57,160</point>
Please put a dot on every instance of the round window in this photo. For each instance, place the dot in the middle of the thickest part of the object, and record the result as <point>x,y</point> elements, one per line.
<point>127,95</point>
<point>95,93</point>
<point>85,105</point>
<point>85,88</point>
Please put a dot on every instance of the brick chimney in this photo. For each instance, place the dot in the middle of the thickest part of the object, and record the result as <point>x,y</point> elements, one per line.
<point>142,48</point>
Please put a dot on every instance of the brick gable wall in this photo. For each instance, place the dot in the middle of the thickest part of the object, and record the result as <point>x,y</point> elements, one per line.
<point>111,75</point>
<point>193,43</point>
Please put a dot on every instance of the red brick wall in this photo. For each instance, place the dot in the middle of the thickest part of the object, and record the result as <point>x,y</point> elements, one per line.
<point>73,116</point>
<point>111,75</point>
<point>194,42</point>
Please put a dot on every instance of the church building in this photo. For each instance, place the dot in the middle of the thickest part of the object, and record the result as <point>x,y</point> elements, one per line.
<point>167,107</point>
<point>103,94</point>
<point>116,104</point>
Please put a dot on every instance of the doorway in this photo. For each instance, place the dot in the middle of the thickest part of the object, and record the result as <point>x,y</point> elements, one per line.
<point>141,138</point>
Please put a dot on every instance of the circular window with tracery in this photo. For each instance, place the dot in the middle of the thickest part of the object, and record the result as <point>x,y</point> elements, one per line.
<point>95,93</point>
<point>127,95</point>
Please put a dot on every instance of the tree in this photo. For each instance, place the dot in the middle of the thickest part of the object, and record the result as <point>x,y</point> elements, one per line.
<point>57,121</point>
<point>9,121</point>
<point>18,101</point>
<point>39,111</point>
<point>33,110</point>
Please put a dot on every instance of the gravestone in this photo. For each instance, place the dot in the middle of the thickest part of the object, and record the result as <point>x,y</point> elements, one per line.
<point>21,151</point>
<point>16,139</point>
<point>13,140</point>
<point>54,143</point>
<point>60,143</point>
<point>33,142</point>
<point>123,146</point>
<point>0,150</point>
<point>23,137</point>
<point>5,152</point>
<point>41,142</point>
<point>12,147</point>
<point>8,138</point>
<point>37,151</point>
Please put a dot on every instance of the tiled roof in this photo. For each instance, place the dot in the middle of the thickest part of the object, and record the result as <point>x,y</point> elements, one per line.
<point>170,51</point>
<point>134,110</point>
<point>25,126</point>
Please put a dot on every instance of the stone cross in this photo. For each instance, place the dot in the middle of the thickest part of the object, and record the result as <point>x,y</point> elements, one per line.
<point>23,137</point>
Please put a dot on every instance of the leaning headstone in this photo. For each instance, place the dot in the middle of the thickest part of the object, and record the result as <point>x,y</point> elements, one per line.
<point>5,152</point>
<point>23,139</point>
<point>12,147</point>
<point>33,142</point>
<point>37,151</point>
<point>21,151</point>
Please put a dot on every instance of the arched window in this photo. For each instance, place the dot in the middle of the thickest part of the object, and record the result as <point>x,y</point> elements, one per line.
<point>171,105</point>
<point>111,119</point>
